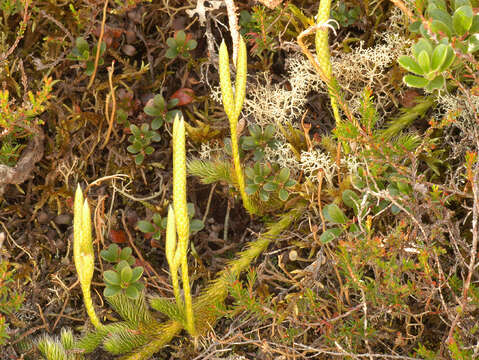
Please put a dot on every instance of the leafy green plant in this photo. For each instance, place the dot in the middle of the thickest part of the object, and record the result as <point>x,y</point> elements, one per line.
<point>345,14</point>
<point>266,180</point>
<point>161,111</point>
<point>158,224</point>
<point>429,62</point>
<point>123,278</point>
<point>114,254</point>
<point>180,45</point>
<point>258,140</point>
<point>446,34</point>
<point>82,52</point>
<point>140,139</point>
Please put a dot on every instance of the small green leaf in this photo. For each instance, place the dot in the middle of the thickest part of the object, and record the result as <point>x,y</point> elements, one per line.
<point>263,195</point>
<point>438,57</point>
<point>330,234</point>
<point>126,253</point>
<point>414,27</point>
<point>462,19</point>
<point>111,277</point>
<point>449,59</point>
<point>132,292</point>
<point>354,228</point>
<point>126,274</point>
<point>473,43</point>
<point>410,65</point>
<point>269,131</point>
<point>171,42</point>
<point>424,61</point>
<point>82,45</point>
<point>422,45</point>
<point>251,189</point>
<point>437,83</point>
<point>283,194</point>
<point>135,130</point>
<point>459,3</point>
<point>290,183</point>
<point>196,225</point>
<point>145,226</point>
<point>442,16</point>
<point>270,186</point>
<point>180,37</point>
<point>110,291</point>
<point>438,27</point>
<point>351,199</point>
<point>191,45</point>
<point>415,81</point>
<point>90,66</point>
<point>139,159</point>
<point>171,53</point>
<point>334,214</point>
<point>283,175</point>
<point>475,25</point>
<point>136,274</point>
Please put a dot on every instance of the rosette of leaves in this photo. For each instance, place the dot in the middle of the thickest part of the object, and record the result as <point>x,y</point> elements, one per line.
<point>161,111</point>
<point>123,278</point>
<point>141,138</point>
<point>258,140</point>
<point>114,254</point>
<point>180,45</point>
<point>266,180</point>
<point>81,52</point>
<point>446,34</point>
<point>157,226</point>
<point>460,28</point>
<point>428,62</point>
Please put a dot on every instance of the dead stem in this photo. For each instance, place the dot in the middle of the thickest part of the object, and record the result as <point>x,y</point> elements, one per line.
<point>98,48</point>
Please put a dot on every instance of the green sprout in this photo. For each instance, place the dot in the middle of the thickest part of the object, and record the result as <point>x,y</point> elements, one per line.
<point>81,52</point>
<point>123,278</point>
<point>158,224</point>
<point>141,139</point>
<point>161,111</point>
<point>180,45</point>
<point>266,180</point>
<point>259,140</point>
<point>115,255</point>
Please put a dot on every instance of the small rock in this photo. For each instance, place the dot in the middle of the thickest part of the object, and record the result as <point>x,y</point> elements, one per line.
<point>60,244</point>
<point>130,36</point>
<point>135,16</point>
<point>63,219</point>
<point>43,217</point>
<point>129,50</point>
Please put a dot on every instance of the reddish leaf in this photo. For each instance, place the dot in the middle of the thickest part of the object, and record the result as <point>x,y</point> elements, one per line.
<point>118,236</point>
<point>184,96</point>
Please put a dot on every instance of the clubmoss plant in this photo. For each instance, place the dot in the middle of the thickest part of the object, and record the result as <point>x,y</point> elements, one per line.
<point>181,219</point>
<point>232,105</point>
<point>83,255</point>
<point>322,51</point>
